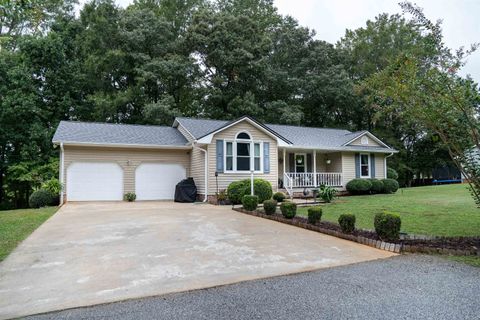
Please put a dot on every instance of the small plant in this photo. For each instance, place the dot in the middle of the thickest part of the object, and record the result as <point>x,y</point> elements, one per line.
<point>222,197</point>
<point>270,206</point>
<point>314,214</point>
<point>53,186</point>
<point>279,196</point>
<point>390,185</point>
<point>327,193</point>
<point>289,209</point>
<point>40,198</point>
<point>359,186</point>
<point>387,225</point>
<point>347,222</point>
<point>130,196</point>
<point>250,203</point>
<point>392,174</point>
<point>377,186</point>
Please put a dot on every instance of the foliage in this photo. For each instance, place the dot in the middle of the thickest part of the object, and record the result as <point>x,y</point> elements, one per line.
<point>130,197</point>
<point>40,198</point>
<point>347,222</point>
<point>261,188</point>
<point>359,186</point>
<point>222,196</point>
<point>377,186</point>
<point>327,193</point>
<point>289,209</point>
<point>279,196</point>
<point>390,185</point>
<point>387,225</point>
<point>235,191</point>
<point>392,174</point>
<point>53,186</point>
<point>270,206</point>
<point>314,214</point>
<point>250,203</point>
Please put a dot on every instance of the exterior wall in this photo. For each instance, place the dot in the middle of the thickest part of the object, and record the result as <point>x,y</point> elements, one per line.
<point>197,169</point>
<point>224,179</point>
<point>128,158</point>
<point>348,167</point>
<point>358,142</point>
<point>336,162</point>
<point>379,166</point>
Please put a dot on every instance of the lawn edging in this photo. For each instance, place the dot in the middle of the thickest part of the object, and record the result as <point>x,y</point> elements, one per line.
<point>464,246</point>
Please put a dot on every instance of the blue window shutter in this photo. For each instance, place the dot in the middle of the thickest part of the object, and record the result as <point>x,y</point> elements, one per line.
<point>220,156</point>
<point>372,165</point>
<point>357,165</point>
<point>266,157</point>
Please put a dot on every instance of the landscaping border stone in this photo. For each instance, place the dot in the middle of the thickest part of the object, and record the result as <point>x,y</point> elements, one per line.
<point>406,243</point>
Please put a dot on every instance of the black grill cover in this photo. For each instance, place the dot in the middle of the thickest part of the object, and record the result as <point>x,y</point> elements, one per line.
<point>186,191</point>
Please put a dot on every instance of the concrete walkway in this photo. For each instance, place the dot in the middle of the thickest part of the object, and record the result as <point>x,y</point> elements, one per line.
<point>92,253</point>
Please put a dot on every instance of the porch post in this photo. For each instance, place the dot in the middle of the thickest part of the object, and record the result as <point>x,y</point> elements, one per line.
<point>284,161</point>
<point>315,168</point>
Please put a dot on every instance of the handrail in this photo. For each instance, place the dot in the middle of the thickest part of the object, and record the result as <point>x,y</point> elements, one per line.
<point>307,179</point>
<point>288,184</point>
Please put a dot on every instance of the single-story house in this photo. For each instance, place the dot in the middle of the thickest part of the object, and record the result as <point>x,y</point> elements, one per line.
<point>102,162</point>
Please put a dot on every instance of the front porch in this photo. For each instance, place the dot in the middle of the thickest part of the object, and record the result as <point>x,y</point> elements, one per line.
<point>300,169</point>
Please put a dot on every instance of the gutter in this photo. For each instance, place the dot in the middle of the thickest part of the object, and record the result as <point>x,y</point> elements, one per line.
<point>206,169</point>
<point>385,164</point>
<point>62,168</point>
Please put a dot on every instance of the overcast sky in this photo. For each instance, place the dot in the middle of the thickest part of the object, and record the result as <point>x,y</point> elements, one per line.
<point>330,19</point>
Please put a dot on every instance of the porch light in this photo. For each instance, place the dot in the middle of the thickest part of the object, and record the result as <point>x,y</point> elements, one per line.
<point>328,161</point>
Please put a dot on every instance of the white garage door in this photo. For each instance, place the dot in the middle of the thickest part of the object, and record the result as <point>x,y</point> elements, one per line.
<point>94,181</point>
<point>156,181</point>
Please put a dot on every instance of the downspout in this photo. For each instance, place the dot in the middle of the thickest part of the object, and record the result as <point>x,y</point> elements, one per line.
<point>206,169</point>
<point>62,168</point>
<point>385,163</point>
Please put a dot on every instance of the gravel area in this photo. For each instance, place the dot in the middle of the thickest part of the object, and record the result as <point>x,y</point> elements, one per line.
<point>402,287</point>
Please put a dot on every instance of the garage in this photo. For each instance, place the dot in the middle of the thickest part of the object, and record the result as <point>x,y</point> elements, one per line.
<point>94,181</point>
<point>156,181</point>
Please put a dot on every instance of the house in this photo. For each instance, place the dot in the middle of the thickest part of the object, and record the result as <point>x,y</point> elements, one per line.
<point>102,162</point>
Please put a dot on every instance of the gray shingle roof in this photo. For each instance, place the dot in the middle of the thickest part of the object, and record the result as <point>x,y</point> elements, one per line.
<point>201,127</point>
<point>106,133</point>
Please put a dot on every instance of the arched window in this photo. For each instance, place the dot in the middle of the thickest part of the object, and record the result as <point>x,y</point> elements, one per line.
<point>242,154</point>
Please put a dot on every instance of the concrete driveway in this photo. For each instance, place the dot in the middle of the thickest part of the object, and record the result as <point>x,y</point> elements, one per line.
<point>92,253</point>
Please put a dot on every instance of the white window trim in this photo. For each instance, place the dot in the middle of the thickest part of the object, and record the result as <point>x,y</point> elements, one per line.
<point>368,164</point>
<point>295,162</point>
<point>234,150</point>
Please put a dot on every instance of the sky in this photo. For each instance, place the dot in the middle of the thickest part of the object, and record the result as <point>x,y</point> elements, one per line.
<point>330,19</point>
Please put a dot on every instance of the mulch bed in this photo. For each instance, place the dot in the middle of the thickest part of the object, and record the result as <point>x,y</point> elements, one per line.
<point>406,243</point>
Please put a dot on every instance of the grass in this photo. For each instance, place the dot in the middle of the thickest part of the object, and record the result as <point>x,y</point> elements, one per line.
<point>17,225</point>
<point>470,260</point>
<point>446,210</point>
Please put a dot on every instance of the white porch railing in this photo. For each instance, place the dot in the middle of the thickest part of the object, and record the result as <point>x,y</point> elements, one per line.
<point>288,184</point>
<point>307,179</point>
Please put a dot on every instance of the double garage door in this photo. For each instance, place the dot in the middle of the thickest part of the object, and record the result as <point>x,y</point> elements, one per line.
<point>104,181</point>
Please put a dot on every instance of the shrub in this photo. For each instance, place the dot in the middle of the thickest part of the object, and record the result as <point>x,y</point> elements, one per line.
<point>390,185</point>
<point>250,203</point>
<point>377,186</point>
<point>387,225</point>
<point>53,186</point>
<point>235,191</point>
<point>347,222</point>
<point>327,193</point>
<point>40,198</point>
<point>279,196</point>
<point>359,186</point>
<point>392,174</point>
<point>130,197</point>
<point>270,206</point>
<point>314,214</point>
<point>261,188</point>
<point>289,209</point>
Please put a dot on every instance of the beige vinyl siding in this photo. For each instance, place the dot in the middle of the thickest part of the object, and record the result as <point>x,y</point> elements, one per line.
<point>358,142</point>
<point>197,169</point>
<point>348,166</point>
<point>379,166</point>
<point>128,158</point>
<point>224,179</point>
<point>185,133</point>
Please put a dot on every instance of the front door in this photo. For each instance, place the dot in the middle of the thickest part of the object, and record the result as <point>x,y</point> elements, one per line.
<point>300,163</point>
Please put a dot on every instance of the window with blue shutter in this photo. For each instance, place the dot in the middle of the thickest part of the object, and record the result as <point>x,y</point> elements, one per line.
<point>372,165</point>
<point>266,157</point>
<point>220,156</point>
<point>357,165</point>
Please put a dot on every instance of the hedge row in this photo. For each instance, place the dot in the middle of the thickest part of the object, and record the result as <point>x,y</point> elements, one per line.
<point>372,186</point>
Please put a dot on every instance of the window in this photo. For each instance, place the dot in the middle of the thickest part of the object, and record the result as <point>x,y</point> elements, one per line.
<point>242,153</point>
<point>365,165</point>
<point>300,163</point>
<point>364,140</point>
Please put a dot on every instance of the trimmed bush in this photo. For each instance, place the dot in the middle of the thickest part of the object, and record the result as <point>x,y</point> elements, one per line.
<point>130,197</point>
<point>289,209</point>
<point>347,222</point>
<point>314,214</point>
<point>53,186</point>
<point>250,203</point>
<point>40,198</point>
<point>359,186</point>
<point>390,185</point>
<point>270,206</point>
<point>279,196</point>
<point>235,191</point>
<point>377,186</point>
<point>387,225</point>
<point>392,174</point>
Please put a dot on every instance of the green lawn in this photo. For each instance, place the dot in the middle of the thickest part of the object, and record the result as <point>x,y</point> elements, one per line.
<point>471,260</point>
<point>446,210</point>
<point>16,225</point>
